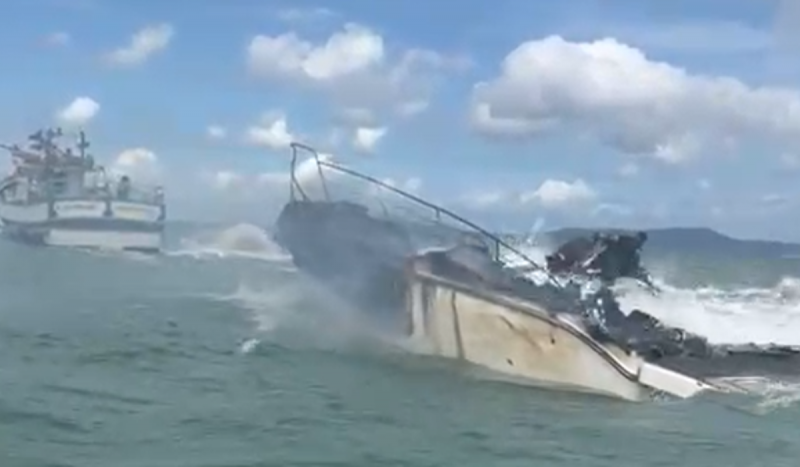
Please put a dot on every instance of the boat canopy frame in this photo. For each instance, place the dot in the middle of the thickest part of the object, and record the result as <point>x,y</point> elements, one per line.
<point>295,188</point>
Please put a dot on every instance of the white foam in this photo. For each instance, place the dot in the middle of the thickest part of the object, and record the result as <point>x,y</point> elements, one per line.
<point>241,240</point>
<point>769,315</point>
<point>758,315</point>
<point>248,345</point>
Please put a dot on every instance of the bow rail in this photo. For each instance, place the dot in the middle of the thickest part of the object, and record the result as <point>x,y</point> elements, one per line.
<point>440,212</point>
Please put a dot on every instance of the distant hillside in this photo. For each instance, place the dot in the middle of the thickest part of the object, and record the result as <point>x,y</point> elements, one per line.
<point>695,240</point>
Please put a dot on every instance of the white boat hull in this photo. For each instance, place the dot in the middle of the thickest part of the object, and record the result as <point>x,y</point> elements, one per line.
<point>114,225</point>
<point>525,343</point>
<point>105,240</point>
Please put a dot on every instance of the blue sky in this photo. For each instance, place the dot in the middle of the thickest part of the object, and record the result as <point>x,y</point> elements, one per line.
<point>608,112</point>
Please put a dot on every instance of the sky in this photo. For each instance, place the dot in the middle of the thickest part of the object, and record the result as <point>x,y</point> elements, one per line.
<point>608,113</point>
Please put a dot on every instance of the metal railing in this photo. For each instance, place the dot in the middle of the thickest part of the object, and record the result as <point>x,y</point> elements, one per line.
<point>440,213</point>
<point>137,193</point>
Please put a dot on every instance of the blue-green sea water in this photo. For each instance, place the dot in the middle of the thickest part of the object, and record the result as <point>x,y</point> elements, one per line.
<point>220,354</point>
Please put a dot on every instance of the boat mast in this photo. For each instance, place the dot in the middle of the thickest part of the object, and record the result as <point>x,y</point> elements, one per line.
<point>83,144</point>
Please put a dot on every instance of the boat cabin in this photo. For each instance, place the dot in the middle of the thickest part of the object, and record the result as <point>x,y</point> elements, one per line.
<point>45,172</point>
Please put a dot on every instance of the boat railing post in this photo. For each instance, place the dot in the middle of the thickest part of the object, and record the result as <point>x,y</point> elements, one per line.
<point>292,179</point>
<point>321,176</point>
<point>51,200</point>
<point>108,212</point>
<point>295,146</point>
<point>294,185</point>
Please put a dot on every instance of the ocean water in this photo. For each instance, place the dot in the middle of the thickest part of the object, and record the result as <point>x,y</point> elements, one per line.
<point>219,354</point>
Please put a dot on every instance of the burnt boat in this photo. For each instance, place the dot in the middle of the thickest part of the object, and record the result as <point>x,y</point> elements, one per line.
<point>612,255</point>
<point>443,282</point>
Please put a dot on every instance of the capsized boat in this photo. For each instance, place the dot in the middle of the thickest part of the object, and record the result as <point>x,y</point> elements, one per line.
<point>443,282</point>
<point>57,197</point>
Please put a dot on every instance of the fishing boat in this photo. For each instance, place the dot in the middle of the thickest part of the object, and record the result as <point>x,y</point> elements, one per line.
<point>59,197</point>
<point>442,283</point>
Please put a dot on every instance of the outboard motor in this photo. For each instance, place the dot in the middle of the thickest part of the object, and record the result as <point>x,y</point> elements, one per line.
<point>605,257</point>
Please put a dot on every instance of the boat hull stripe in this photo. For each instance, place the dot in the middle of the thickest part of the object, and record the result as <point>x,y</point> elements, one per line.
<point>96,224</point>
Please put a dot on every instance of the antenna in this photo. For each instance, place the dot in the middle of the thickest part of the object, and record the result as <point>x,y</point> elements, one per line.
<point>83,144</point>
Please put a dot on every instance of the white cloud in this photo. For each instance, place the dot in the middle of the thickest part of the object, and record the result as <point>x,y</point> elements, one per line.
<point>216,132</point>
<point>616,95</point>
<point>486,199</point>
<point>366,139</point>
<point>143,45</point>
<point>239,186</point>
<point>306,173</point>
<point>255,185</point>
<point>272,132</point>
<point>411,185</point>
<point>79,112</point>
<point>225,180</point>
<point>551,194</point>
<point>704,184</point>
<point>629,170</point>
<point>346,52</point>
<point>611,209</point>
<point>556,194</point>
<point>140,164</point>
<point>58,39</point>
<point>411,108</point>
<point>354,67</point>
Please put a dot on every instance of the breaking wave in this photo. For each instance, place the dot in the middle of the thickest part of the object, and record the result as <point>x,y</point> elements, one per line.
<point>241,240</point>
<point>729,316</point>
<point>758,315</point>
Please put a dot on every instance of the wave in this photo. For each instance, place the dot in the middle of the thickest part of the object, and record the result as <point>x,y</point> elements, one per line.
<point>239,241</point>
<point>758,315</point>
<point>729,316</point>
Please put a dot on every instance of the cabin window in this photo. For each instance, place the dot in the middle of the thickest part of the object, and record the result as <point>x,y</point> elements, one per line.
<point>58,183</point>
<point>124,188</point>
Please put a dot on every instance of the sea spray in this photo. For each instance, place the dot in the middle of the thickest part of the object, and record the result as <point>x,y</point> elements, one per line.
<point>241,240</point>
<point>731,316</point>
